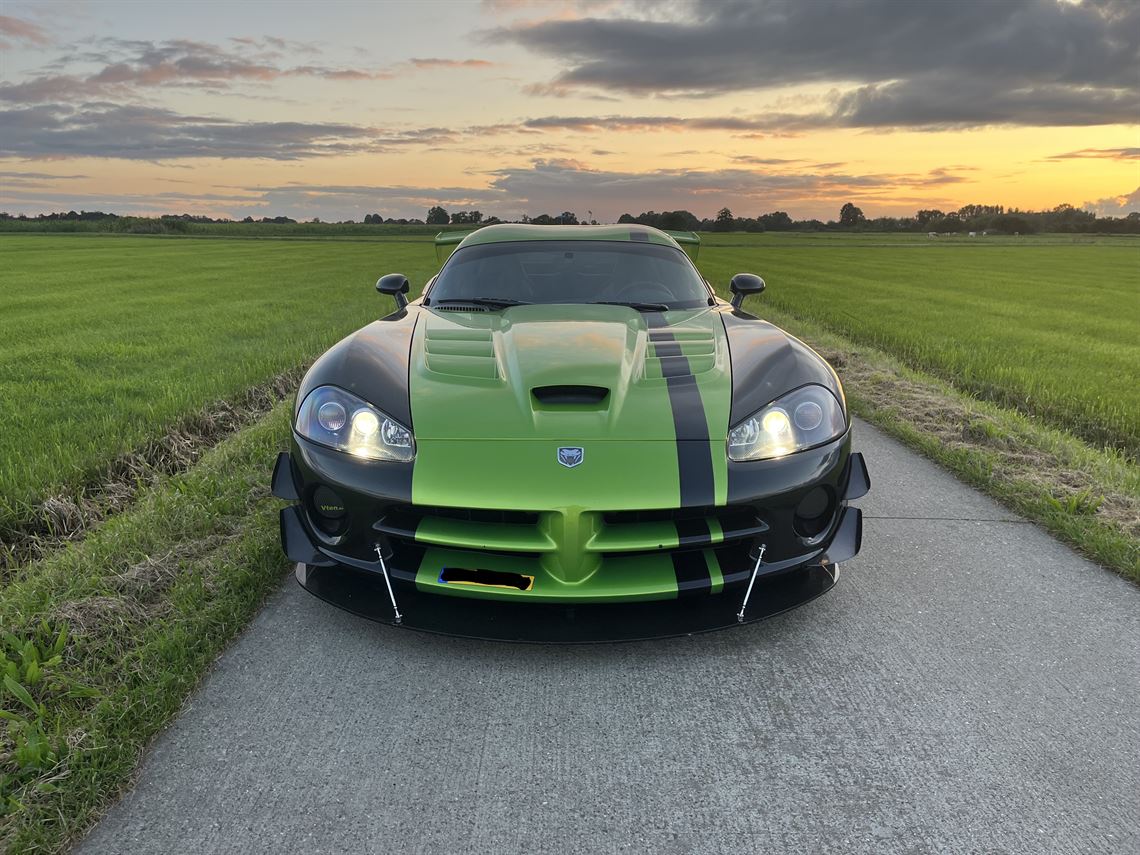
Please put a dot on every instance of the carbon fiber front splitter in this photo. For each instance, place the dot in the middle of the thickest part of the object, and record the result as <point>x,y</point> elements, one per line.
<point>365,594</point>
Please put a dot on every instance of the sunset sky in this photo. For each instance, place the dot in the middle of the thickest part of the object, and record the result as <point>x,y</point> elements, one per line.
<point>337,109</point>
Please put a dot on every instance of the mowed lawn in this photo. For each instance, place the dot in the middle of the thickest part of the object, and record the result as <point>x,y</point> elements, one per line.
<point>107,341</point>
<point>1048,325</point>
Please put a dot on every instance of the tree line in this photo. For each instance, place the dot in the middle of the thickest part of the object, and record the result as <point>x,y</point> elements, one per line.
<point>968,218</point>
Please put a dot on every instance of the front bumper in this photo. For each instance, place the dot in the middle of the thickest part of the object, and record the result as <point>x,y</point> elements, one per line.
<point>568,557</point>
<point>365,594</point>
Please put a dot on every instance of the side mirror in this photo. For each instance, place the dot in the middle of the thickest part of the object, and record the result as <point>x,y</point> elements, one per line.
<point>743,285</point>
<point>397,285</point>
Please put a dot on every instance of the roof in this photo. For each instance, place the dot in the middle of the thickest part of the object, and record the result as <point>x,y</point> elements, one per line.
<point>506,232</point>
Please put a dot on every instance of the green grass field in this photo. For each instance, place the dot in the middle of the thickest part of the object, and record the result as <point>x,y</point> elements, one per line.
<point>1050,327</point>
<point>106,341</point>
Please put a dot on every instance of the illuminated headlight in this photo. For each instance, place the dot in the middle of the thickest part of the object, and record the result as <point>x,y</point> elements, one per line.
<point>805,418</point>
<point>340,420</point>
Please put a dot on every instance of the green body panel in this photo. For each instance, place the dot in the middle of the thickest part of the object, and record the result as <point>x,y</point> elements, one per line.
<point>472,373</point>
<point>441,531</point>
<point>485,441</point>
<point>715,573</point>
<point>526,475</point>
<point>623,579</point>
<point>646,576</point>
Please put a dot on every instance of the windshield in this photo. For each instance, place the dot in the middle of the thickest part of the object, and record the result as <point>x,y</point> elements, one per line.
<point>572,271</point>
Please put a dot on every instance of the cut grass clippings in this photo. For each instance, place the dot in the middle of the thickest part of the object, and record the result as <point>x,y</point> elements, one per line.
<point>65,516</point>
<point>143,606</point>
<point>1087,497</point>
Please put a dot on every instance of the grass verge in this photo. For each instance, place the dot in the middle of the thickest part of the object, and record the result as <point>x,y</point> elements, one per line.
<point>103,641</point>
<point>1085,496</point>
<point>65,516</point>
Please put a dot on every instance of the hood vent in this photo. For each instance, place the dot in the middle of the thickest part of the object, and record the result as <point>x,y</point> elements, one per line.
<point>553,396</point>
<point>461,308</point>
<point>461,353</point>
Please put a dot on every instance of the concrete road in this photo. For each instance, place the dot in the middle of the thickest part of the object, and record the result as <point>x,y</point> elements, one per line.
<point>969,686</point>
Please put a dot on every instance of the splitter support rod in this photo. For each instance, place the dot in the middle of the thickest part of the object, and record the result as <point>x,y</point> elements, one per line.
<point>388,582</point>
<point>751,582</point>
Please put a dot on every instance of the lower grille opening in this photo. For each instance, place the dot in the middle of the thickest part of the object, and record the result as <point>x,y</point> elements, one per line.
<point>486,578</point>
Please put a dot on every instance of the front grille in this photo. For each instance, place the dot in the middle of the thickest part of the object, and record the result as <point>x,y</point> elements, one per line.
<point>621,532</point>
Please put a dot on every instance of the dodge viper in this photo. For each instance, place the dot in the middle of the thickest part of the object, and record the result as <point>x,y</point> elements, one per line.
<point>566,422</point>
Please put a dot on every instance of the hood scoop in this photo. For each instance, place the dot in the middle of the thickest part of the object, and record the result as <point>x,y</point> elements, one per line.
<point>549,397</point>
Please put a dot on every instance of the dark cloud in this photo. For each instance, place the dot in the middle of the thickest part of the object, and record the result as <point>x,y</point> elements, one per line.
<point>552,185</point>
<point>764,161</point>
<point>638,124</point>
<point>1100,154</point>
<point>126,67</point>
<point>544,186</point>
<point>898,63</point>
<point>148,133</point>
<point>40,176</point>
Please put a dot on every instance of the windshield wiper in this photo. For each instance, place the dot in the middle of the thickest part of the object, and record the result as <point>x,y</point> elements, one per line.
<point>641,307</point>
<point>489,302</point>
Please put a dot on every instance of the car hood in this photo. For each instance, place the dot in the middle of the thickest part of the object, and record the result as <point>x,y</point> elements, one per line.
<point>570,373</point>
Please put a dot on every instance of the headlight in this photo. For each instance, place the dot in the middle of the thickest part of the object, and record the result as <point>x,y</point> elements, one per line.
<point>807,417</point>
<point>340,420</point>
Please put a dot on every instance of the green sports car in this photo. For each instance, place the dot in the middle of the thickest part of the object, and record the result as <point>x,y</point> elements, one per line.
<point>569,436</point>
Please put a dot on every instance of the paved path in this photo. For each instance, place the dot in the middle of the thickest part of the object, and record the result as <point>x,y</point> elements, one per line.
<point>969,686</point>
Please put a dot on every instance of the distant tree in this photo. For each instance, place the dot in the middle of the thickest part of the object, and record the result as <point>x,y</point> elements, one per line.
<point>568,218</point>
<point>849,216</point>
<point>1011,224</point>
<point>777,221</point>
<point>543,220</point>
<point>925,216</point>
<point>248,220</point>
<point>724,220</point>
<point>677,221</point>
<point>437,216</point>
<point>626,219</point>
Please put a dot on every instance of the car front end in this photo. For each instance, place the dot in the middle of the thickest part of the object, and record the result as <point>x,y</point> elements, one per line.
<point>564,459</point>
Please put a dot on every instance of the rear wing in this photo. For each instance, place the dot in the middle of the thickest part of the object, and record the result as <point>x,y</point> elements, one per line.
<point>689,241</point>
<point>446,242</point>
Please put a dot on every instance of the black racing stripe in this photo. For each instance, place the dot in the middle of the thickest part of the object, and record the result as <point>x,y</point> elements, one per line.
<point>692,572</point>
<point>694,454</point>
<point>693,531</point>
